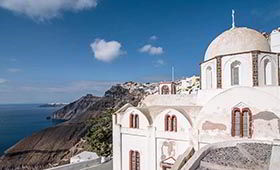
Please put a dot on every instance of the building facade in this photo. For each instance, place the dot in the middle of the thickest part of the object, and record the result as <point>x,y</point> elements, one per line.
<point>239,98</point>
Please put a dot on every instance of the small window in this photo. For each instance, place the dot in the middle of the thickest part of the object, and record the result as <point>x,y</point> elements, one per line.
<point>164,89</point>
<point>267,72</point>
<point>241,122</point>
<point>174,123</point>
<point>136,117</point>
<point>133,121</point>
<point>235,73</point>
<point>166,122</point>
<point>134,160</point>
<point>170,123</point>
<point>209,77</point>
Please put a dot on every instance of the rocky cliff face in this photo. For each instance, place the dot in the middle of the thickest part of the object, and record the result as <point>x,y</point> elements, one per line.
<point>55,145</point>
<point>76,108</point>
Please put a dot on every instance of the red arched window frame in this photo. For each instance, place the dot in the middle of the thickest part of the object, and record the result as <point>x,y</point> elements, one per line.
<point>131,120</point>
<point>233,118</point>
<point>131,153</point>
<point>241,128</point>
<point>250,121</point>
<point>136,121</point>
<point>137,160</point>
<point>134,160</point>
<point>165,89</point>
<point>174,123</point>
<point>170,123</point>
<point>166,122</point>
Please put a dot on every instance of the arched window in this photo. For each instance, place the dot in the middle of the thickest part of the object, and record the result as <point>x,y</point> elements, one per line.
<point>136,121</point>
<point>174,123</point>
<point>209,77</point>
<point>267,72</point>
<point>235,128</point>
<point>241,123</point>
<point>170,123</point>
<point>246,122</point>
<point>137,160</point>
<point>133,121</point>
<point>235,73</point>
<point>166,122</point>
<point>134,160</point>
<point>164,89</point>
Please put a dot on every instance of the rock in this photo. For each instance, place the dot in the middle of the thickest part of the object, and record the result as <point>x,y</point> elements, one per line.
<point>75,108</point>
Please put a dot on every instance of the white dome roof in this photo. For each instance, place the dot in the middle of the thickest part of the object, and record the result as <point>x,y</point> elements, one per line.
<point>237,40</point>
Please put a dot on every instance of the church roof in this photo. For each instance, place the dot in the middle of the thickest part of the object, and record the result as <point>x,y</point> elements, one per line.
<point>237,40</point>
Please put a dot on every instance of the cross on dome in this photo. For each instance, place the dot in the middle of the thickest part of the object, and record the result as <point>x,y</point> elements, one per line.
<point>233,21</point>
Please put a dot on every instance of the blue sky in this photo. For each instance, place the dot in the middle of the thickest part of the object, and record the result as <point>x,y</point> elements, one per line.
<point>58,50</point>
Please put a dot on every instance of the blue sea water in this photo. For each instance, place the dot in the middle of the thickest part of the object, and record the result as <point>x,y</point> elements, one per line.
<point>21,120</point>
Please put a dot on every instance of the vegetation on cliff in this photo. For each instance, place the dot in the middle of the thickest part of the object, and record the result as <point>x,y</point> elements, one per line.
<point>100,134</point>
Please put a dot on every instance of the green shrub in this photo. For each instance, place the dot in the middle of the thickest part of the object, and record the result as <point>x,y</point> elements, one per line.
<point>100,134</point>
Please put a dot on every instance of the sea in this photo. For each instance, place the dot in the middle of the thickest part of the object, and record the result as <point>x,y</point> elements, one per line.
<point>21,120</point>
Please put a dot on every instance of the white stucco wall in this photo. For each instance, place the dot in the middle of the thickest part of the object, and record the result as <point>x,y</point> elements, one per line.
<point>135,143</point>
<point>170,100</point>
<point>168,148</point>
<point>220,113</point>
<point>271,90</point>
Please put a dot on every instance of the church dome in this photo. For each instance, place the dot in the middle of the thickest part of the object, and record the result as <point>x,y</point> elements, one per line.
<point>237,40</point>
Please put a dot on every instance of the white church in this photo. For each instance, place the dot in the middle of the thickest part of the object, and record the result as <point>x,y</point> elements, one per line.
<point>239,98</point>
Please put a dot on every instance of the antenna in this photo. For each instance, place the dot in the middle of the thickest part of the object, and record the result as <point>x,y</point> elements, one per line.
<point>172,74</point>
<point>233,19</point>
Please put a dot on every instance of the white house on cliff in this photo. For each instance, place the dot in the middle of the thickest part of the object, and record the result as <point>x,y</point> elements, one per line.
<point>239,99</point>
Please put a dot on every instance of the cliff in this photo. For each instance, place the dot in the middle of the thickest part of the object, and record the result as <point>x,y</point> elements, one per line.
<point>55,145</point>
<point>75,108</point>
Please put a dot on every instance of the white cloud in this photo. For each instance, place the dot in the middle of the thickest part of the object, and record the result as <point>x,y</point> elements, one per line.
<point>46,9</point>
<point>14,70</point>
<point>106,51</point>
<point>2,81</point>
<point>153,38</point>
<point>151,50</point>
<point>159,63</point>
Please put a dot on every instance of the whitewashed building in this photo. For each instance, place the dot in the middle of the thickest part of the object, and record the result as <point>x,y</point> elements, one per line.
<point>239,99</point>
<point>84,156</point>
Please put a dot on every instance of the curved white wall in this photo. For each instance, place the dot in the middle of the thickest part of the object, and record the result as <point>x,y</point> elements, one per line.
<point>183,124</point>
<point>143,121</point>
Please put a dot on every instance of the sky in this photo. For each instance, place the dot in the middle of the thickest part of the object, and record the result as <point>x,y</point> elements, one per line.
<point>60,50</point>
